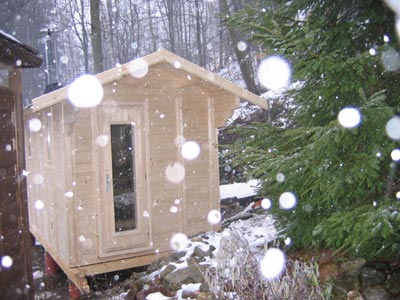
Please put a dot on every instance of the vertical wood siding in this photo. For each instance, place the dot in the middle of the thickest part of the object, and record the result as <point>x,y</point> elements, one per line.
<point>16,280</point>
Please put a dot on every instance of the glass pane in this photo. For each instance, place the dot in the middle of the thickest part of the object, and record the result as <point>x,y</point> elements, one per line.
<point>123,173</point>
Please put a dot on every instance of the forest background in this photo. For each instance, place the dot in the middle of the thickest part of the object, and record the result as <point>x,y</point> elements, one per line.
<point>92,36</point>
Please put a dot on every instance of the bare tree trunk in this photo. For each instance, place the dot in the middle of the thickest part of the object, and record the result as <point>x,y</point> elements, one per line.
<point>85,38</point>
<point>204,24</point>
<point>221,47</point>
<point>243,57</point>
<point>181,47</point>
<point>135,36</point>
<point>198,34</point>
<point>115,12</point>
<point>170,17</point>
<point>110,43</point>
<point>96,36</point>
<point>152,35</point>
<point>81,34</point>
<point>188,54</point>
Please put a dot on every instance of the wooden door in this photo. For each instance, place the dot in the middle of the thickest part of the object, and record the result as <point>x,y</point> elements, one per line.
<point>124,219</point>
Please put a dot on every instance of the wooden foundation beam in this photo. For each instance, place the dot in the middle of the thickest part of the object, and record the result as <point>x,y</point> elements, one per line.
<point>77,275</point>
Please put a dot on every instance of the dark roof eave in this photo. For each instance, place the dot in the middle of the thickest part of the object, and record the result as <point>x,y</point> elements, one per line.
<point>12,52</point>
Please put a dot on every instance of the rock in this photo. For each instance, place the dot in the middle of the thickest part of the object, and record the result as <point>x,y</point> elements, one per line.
<point>159,263</point>
<point>326,256</point>
<point>376,292</point>
<point>133,286</point>
<point>354,295</point>
<point>198,252</point>
<point>384,267</point>
<point>188,294</point>
<point>138,275</point>
<point>204,287</point>
<point>133,279</point>
<point>352,265</point>
<point>328,271</point>
<point>370,276</point>
<point>212,249</point>
<point>347,282</point>
<point>392,283</point>
<point>204,296</point>
<point>200,255</point>
<point>338,293</point>
<point>146,281</point>
<point>190,274</point>
<point>130,295</point>
<point>168,269</point>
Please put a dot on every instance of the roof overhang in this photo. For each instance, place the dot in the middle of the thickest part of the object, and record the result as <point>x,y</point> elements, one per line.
<point>15,54</point>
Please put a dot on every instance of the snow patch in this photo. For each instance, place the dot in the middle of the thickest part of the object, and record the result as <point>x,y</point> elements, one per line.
<point>239,190</point>
<point>157,296</point>
<point>119,297</point>
<point>188,289</point>
<point>37,274</point>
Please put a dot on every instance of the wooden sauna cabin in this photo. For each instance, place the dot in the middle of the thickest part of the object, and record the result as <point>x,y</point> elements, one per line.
<point>108,184</point>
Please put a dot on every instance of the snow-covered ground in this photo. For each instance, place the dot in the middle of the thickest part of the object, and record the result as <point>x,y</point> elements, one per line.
<point>257,230</point>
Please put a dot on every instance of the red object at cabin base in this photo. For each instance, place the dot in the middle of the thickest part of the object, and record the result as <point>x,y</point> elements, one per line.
<point>50,265</point>
<point>74,293</point>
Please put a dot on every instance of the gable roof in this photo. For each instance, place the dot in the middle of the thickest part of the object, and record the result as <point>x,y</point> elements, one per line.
<point>16,54</point>
<point>158,58</point>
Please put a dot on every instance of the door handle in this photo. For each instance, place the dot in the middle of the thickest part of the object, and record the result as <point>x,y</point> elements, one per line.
<point>108,183</point>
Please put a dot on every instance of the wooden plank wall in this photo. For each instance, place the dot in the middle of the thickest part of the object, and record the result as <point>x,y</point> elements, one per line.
<point>163,111</point>
<point>61,154</point>
<point>199,181</point>
<point>16,279</point>
<point>85,173</point>
<point>183,114</point>
<point>47,158</point>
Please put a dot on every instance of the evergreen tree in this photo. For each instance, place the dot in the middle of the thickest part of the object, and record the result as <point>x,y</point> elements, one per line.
<point>345,54</point>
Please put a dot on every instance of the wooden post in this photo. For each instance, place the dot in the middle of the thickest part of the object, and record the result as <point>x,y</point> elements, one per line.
<point>15,82</point>
<point>50,265</point>
<point>74,293</point>
<point>16,280</point>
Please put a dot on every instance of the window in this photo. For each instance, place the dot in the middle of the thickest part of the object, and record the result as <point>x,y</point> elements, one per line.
<point>123,174</point>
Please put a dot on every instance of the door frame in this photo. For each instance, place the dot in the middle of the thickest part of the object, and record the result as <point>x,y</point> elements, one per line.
<point>110,241</point>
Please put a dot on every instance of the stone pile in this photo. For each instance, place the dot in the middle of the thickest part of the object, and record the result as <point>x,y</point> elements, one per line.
<point>357,279</point>
<point>174,276</point>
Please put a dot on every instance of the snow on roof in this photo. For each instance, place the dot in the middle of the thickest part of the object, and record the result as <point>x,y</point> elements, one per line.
<point>239,190</point>
<point>244,111</point>
<point>280,93</point>
<point>9,36</point>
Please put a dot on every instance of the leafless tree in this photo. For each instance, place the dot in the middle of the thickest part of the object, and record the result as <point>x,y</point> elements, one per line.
<point>97,47</point>
<point>94,35</point>
<point>243,56</point>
